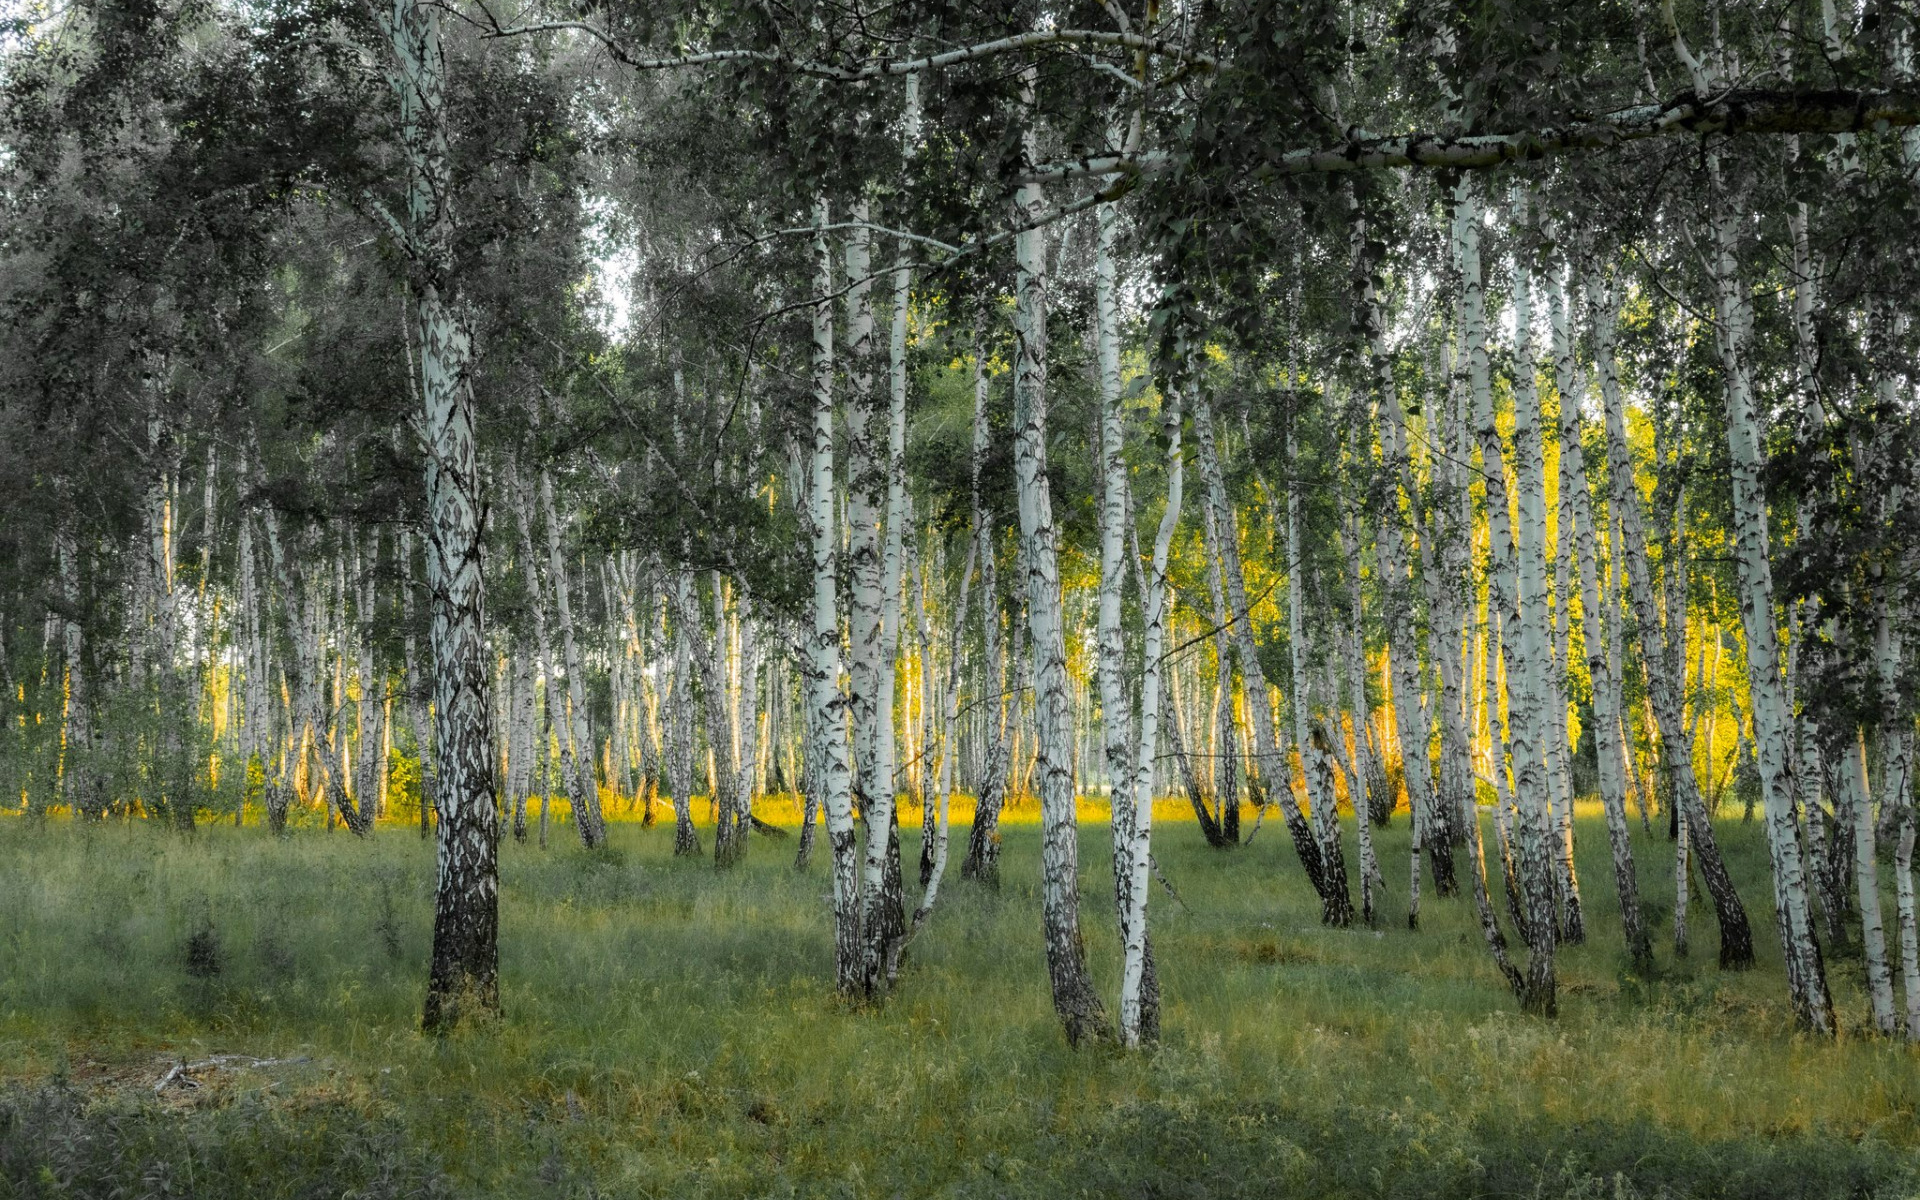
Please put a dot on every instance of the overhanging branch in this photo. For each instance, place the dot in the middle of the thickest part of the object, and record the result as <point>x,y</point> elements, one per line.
<point>1739,110</point>
<point>870,70</point>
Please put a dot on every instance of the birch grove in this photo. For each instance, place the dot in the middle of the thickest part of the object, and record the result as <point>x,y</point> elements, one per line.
<point>988,422</point>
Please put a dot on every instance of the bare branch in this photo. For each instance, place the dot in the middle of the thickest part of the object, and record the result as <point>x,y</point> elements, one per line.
<point>1737,110</point>
<point>1039,38</point>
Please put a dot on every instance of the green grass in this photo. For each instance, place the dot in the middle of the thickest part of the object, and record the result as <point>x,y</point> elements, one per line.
<point>670,1032</point>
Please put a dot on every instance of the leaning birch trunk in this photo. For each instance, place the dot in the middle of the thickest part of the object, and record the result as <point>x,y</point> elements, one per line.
<point>1074,999</point>
<point>1773,723</point>
<point>887,904</point>
<point>1503,810</point>
<point>253,708</point>
<point>171,784</point>
<point>1606,686</point>
<point>520,779</point>
<point>1573,923</point>
<point>465,967</point>
<point>1896,767</point>
<point>712,655</point>
<point>826,704</point>
<point>329,743</point>
<point>1897,724</point>
<point>1476,846</point>
<point>1321,859</point>
<point>746,715</point>
<point>577,745</point>
<point>893,548</point>
<point>1528,667</point>
<point>920,579</point>
<point>708,658</point>
<point>369,726</point>
<point>1663,691</point>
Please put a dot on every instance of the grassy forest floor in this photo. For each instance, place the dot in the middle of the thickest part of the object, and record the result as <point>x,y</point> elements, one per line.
<point>670,1031</point>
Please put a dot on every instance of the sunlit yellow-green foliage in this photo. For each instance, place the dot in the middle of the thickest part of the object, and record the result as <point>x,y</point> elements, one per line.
<point>670,1030</point>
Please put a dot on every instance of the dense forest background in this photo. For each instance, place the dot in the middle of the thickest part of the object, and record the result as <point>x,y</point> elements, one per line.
<point>1475,439</point>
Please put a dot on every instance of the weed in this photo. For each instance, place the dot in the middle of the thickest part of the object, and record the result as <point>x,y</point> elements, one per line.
<point>672,1031</point>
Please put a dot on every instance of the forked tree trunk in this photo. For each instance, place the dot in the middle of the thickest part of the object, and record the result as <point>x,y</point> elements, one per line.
<point>1127,757</point>
<point>576,756</point>
<point>1527,659</point>
<point>1535,988</point>
<point>1772,721</point>
<point>1606,686</point>
<point>1074,998</point>
<point>872,664</point>
<point>1397,548</point>
<point>1336,905</point>
<point>983,840</point>
<point>1319,854</point>
<point>1663,691</point>
<point>680,717</point>
<point>826,704</point>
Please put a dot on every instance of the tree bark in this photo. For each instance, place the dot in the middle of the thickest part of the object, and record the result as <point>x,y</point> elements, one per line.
<point>1128,755</point>
<point>1074,999</point>
<point>576,756</point>
<point>1806,972</point>
<point>983,840</point>
<point>1663,693</point>
<point>1527,661</point>
<point>826,704</point>
<point>1397,547</point>
<point>1606,685</point>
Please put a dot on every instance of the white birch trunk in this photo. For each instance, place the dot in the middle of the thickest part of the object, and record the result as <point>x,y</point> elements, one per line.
<point>78,785</point>
<point>465,967</point>
<point>1605,683</point>
<point>983,841</point>
<point>1397,547</point>
<point>1319,853</point>
<point>576,747</point>
<point>1139,986</point>
<point>826,704</point>
<point>1308,740</point>
<point>1773,722</point>
<point>1664,693</point>
<point>1527,653</point>
<point>1074,999</point>
<point>1131,810</point>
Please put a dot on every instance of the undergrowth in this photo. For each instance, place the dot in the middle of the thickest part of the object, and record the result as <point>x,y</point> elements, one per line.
<point>669,1030</point>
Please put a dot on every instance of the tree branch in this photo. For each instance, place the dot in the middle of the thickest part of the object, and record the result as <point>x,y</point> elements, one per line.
<point>871,70</point>
<point>1738,110</point>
